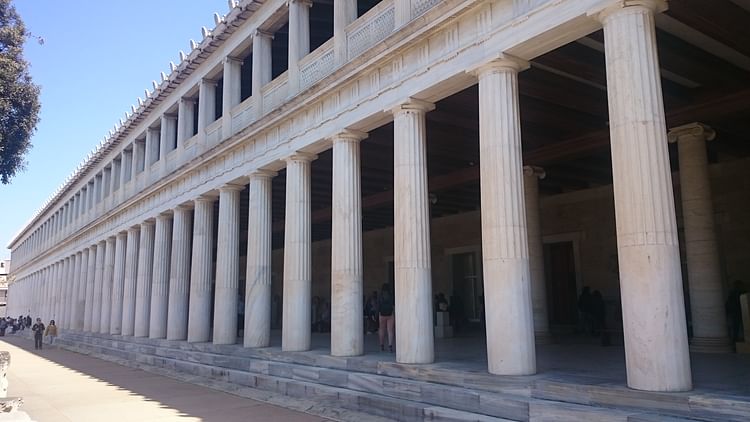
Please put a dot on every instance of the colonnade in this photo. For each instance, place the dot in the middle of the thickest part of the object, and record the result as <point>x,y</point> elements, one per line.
<point>155,279</point>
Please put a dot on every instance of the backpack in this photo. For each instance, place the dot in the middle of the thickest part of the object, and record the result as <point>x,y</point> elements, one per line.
<point>385,307</point>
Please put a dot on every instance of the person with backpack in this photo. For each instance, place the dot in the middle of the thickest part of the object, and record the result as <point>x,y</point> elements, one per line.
<point>51,331</point>
<point>385,318</point>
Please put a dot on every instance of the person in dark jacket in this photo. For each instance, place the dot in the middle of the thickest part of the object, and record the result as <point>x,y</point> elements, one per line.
<point>38,330</point>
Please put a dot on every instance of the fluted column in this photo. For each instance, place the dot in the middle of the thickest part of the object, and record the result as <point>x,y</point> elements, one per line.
<point>412,261</point>
<point>81,290</point>
<point>258,276</point>
<point>118,284</point>
<point>107,277</point>
<point>653,307</point>
<point>129,284</point>
<point>70,317</point>
<point>160,276</point>
<point>701,248</point>
<point>90,280</point>
<point>199,314</point>
<point>65,288</point>
<point>227,265</point>
<point>262,66</point>
<point>185,120</point>
<point>232,91</point>
<point>505,252</point>
<point>179,274</point>
<point>144,279</point>
<point>98,287</point>
<point>531,176</point>
<point>346,247</point>
<point>296,321</point>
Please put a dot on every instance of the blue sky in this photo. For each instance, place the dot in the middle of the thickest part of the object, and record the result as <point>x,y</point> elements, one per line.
<point>97,58</point>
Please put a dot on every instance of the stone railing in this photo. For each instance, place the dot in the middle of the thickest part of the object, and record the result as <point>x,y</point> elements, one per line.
<point>275,92</point>
<point>243,115</point>
<point>371,28</point>
<point>418,7</point>
<point>316,65</point>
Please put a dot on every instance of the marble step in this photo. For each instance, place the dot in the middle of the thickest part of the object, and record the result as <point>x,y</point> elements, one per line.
<point>327,397</point>
<point>575,391</point>
<point>471,405</point>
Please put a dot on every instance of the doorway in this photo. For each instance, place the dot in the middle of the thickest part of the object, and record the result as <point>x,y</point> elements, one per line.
<point>560,279</point>
<point>467,284</point>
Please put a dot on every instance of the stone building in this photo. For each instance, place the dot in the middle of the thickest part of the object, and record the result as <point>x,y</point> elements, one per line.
<point>506,153</point>
<point>4,271</point>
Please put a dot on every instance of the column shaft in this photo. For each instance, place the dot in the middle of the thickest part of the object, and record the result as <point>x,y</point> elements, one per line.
<point>536,253</point>
<point>89,298</point>
<point>653,307</point>
<point>199,314</point>
<point>227,266</point>
<point>179,275</point>
<point>258,277</point>
<point>346,247</point>
<point>144,279</point>
<point>160,285</point>
<point>412,261</point>
<point>130,283</point>
<point>98,287</point>
<point>296,321</point>
<point>81,290</point>
<point>118,284</point>
<point>107,278</point>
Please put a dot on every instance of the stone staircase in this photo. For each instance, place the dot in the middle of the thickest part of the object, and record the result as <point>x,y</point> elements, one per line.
<point>367,389</point>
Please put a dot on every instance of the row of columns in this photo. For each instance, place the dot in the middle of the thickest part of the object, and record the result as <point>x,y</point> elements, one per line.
<point>148,282</point>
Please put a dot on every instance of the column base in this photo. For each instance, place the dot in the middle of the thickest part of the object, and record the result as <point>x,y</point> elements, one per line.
<point>711,345</point>
<point>543,337</point>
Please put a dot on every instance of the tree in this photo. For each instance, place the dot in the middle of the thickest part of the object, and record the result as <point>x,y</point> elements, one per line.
<point>19,96</point>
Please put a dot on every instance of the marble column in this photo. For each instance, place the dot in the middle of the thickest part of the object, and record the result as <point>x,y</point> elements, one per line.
<point>346,247</point>
<point>118,284</point>
<point>167,135</point>
<point>98,282</point>
<point>227,265</point>
<point>152,147</point>
<point>70,317</point>
<point>531,176</point>
<point>299,39</point>
<point>206,104</point>
<point>344,13</point>
<point>505,252</point>
<point>296,320</point>
<point>144,279</point>
<point>232,91</point>
<point>199,313</point>
<point>412,261</point>
<point>160,275</point>
<point>707,311</point>
<point>107,277</point>
<point>129,284</point>
<point>65,288</point>
<point>179,274</point>
<point>258,276</point>
<point>81,290</point>
<point>185,119</point>
<point>90,280</point>
<point>653,306</point>
<point>262,70</point>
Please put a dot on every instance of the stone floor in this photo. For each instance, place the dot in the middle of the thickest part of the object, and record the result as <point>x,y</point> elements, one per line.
<point>61,386</point>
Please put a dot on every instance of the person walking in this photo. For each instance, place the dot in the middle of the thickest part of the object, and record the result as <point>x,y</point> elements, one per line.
<point>385,318</point>
<point>38,330</point>
<point>51,331</point>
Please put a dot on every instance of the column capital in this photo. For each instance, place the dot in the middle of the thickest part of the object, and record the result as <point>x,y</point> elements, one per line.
<point>169,117</point>
<point>262,174</point>
<point>262,34</point>
<point>691,130</point>
<point>502,63</point>
<point>307,3</point>
<point>231,59</point>
<point>148,223</point>
<point>236,187</point>
<point>183,207</point>
<point>412,104</point>
<point>301,156</point>
<point>209,82</point>
<point>206,197</point>
<point>534,171</point>
<point>134,229</point>
<point>187,100</point>
<point>605,11</point>
<point>102,242</point>
<point>349,135</point>
<point>164,215</point>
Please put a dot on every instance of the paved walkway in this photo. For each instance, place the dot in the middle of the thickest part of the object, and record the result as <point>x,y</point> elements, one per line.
<point>62,386</point>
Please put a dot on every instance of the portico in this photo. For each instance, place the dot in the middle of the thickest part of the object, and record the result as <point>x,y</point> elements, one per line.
<point>401,160</point>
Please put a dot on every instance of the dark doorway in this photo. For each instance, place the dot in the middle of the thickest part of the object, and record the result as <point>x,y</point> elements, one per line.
<point>562,293</point>
<point>468,285</point>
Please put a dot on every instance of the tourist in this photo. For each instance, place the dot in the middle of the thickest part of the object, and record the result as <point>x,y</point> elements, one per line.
<point>371,313</point>
<point>585,311</point>
<point>38,330</point>
<point>3,326</point>
<point>385,317</point>
<point>51,331</point>
<point>734,310</point>
<point>28,321</point>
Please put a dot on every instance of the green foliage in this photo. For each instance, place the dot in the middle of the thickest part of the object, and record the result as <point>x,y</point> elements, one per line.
<point>19,97</point>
